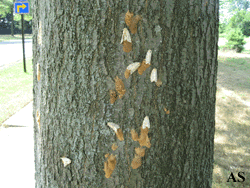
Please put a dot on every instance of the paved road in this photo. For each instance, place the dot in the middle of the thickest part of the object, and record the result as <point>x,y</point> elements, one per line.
<point>17,168</point>
<point>12,51</point>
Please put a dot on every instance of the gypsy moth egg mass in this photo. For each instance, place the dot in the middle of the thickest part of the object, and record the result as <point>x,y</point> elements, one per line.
<point>119,86</point>
<point>140,151</point>
<point>134,135</point>
<point>136,163</point>
<point>114,147</point>
<point>128,18</point>
<point>109,165</point>
<point>112,96</point>
<point>127,73</point>
<point>119,134</point>
<point>38,72</point>
<point>158,83</point>
<point>143,67</point>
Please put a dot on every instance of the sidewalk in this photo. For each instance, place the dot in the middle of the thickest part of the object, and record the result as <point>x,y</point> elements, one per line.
<point>17,168</point>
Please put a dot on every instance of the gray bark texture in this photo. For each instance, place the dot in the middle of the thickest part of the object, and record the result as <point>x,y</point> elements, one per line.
<point>77,54</point>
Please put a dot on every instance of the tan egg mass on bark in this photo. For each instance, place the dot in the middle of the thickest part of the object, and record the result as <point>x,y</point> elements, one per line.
<point>119,134</point>
<point>114,147</point>
<point>132,21</point>
<point>134,135</point>
<point>133,25</point>
<point>140,151</point>
<point>113,96</point>
<point>119,86</point>
<point>38,118</point>
<point>38,72</point>
<point>143,139</point>
<point>127,46</point>
<point>143,67</point>
<point>136,163</point>
<point>128,18</point>
<point>109,166</point>
<point>127,73</point>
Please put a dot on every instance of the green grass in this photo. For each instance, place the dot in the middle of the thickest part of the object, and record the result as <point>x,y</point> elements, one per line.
<point>232,130</point>
<point>15,88</point>
<point>15,37</point>
<point>238,63</point>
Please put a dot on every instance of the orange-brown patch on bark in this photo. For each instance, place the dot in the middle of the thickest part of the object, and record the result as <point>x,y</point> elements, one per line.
<point>134,135</point>
<point>109,165</point>
<point>143,67</point>
<point>113,96</point>
<point>167,111</point>
<point>144,140</point>
<point>114,147</point>
<point>107,155</point>
<point>119,134</point>
<point>133,25</point>
<point>158,83</point>
<point>128,18</point>
<point>38,118</point>
<point>140,151</point>
<point>38,72</point>
<point>127,46</point>
<point>136,163</point>
<point>119,86</point>
<point>127,73</point>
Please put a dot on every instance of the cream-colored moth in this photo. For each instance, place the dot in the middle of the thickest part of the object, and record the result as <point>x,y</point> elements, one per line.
<point>148,56</point>
<point>146,123</point>
<point>66,161</point>
<point>153,76</point>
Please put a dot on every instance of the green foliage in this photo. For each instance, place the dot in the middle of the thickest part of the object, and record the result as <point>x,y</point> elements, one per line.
<point>246,24</point>
<point>5,7</point>
<point>237,19</point>
<point>222,27</point>
<point>27,17</point>
<point>240,20</point>
<point>235,40</point>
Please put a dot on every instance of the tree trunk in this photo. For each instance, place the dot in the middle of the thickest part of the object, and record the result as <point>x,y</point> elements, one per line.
<point>77,57</point>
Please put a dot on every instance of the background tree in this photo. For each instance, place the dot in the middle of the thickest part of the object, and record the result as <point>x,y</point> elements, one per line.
<point>79,66</point>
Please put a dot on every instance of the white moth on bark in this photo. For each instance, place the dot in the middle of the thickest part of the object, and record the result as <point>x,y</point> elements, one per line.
<point>66,161</point>
<point>148,56</point>
<point>126,36</point>
<point>133,67</point>
<point>153,76</point>
<point>113,126</point>
<point>146,123</point>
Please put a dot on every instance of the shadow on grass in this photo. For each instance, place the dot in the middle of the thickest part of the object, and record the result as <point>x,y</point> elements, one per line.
<point>232,135</point>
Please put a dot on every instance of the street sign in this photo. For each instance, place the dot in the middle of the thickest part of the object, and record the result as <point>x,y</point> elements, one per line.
<point>22,8</point>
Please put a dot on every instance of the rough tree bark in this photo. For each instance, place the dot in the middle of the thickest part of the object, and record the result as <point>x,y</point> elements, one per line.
<point>77,55</point>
